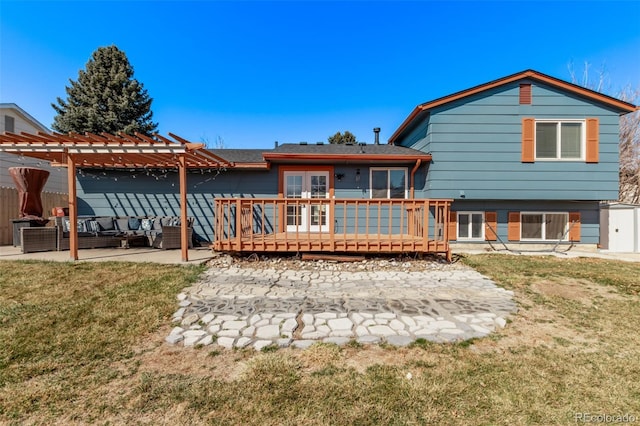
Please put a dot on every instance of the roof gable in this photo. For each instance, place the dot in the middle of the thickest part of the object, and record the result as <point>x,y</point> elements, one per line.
<point>422,109</point>
<point>10,106</point>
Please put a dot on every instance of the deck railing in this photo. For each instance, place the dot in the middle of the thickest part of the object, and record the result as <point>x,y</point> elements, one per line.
<point>331,225</point>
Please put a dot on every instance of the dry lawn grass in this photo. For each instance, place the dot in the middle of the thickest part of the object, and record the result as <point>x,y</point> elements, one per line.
<point>83,343</point>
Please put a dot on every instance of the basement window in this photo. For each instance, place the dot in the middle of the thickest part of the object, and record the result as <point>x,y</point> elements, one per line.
<point>544,226</point>
<point>470,226</point>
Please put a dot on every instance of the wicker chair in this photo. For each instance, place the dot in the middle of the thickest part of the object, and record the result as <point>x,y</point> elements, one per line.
<point>38,239</point>
<point>171,237</point>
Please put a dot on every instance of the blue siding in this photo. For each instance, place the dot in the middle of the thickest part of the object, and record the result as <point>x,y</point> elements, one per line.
<point>100,194</point>
<point>416,138</point>
<point>347,187</point>
<point>476,148</point>
<point>589,214</point>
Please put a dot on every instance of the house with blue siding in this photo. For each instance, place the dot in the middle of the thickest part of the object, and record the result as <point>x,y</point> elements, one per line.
<point>526,158</point>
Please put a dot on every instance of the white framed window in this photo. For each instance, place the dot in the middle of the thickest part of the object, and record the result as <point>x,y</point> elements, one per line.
<point>560,139</point>
<point>536,226</point>
<point>388,182</point>
<point>470,226</point>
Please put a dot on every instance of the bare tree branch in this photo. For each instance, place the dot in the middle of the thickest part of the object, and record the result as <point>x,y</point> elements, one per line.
<point>629,189</point>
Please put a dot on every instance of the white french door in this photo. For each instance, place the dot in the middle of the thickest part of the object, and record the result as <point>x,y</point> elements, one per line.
<point>309,215</point>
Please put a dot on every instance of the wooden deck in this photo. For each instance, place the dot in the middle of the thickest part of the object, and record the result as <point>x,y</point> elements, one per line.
<point>324,225</point>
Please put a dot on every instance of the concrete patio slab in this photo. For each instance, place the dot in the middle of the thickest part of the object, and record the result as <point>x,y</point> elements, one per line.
<point>138,254</point>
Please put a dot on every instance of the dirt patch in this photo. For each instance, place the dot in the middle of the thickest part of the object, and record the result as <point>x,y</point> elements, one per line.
<point>156,356</point>
<point>579,290</point>
<point>538,324</point>
<point>228,365</point>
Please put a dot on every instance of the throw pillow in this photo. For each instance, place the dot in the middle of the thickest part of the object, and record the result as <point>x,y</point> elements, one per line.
<point>92,226</point>
<point>81,225</point>
<point>147,224</point>
<point>134,223</point>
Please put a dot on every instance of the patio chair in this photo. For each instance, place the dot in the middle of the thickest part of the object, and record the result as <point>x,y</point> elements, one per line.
<point>38,239</point>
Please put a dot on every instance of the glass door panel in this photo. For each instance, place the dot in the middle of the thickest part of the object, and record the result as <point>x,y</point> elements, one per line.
<point>306,216</point>
<point>317,184</point>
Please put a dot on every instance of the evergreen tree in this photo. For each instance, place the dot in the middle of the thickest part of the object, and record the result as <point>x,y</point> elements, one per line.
<point>340,138</point>
<point>106,98</point>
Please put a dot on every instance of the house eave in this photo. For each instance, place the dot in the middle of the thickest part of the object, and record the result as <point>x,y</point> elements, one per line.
<point>351,158</point>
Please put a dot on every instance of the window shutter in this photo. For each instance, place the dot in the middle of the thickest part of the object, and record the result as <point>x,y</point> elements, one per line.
<point>574,223</point>
<point>593,139</point>
<point>453,226</point>
<point>513,230</point>
<point>525,94</point>
<point>528,132</point>
<point>490,226</point>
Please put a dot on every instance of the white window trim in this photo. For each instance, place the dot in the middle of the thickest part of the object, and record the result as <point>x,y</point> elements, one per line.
<point>583,139</point>
<point>544,230</point>
<point>481,238</point>
<point>387,169</point>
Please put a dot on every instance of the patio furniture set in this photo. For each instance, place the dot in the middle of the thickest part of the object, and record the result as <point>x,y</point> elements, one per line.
<point>161,232</point>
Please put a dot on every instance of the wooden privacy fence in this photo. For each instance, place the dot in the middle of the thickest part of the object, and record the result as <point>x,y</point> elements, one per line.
<point>331,225</point>
<point>10,209</point>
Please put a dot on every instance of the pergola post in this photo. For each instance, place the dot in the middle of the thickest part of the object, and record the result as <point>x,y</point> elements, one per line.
<point>184,225</point>
<point>73,207</point>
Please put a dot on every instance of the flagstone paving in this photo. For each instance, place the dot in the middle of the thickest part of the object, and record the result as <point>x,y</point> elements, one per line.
<point>238,306</point>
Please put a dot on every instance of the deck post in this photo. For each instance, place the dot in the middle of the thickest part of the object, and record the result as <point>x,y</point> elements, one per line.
<point>238,224</point>
<point>331,220</point>
<point>426,210</point>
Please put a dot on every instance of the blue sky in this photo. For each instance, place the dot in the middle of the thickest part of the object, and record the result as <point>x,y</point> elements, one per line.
<point>256,72</point>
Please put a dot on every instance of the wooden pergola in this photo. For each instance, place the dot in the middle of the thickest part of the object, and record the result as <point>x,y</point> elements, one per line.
<point>111,151</point>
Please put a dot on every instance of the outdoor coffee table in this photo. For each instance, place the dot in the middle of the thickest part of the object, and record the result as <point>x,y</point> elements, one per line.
<point>129,240</point>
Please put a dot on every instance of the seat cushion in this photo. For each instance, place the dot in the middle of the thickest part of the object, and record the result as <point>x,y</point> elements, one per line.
<point>106,223</point>
<point>122,224</point>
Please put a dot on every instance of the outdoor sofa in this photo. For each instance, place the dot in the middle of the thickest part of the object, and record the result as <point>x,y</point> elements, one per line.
<point>161,232</point>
